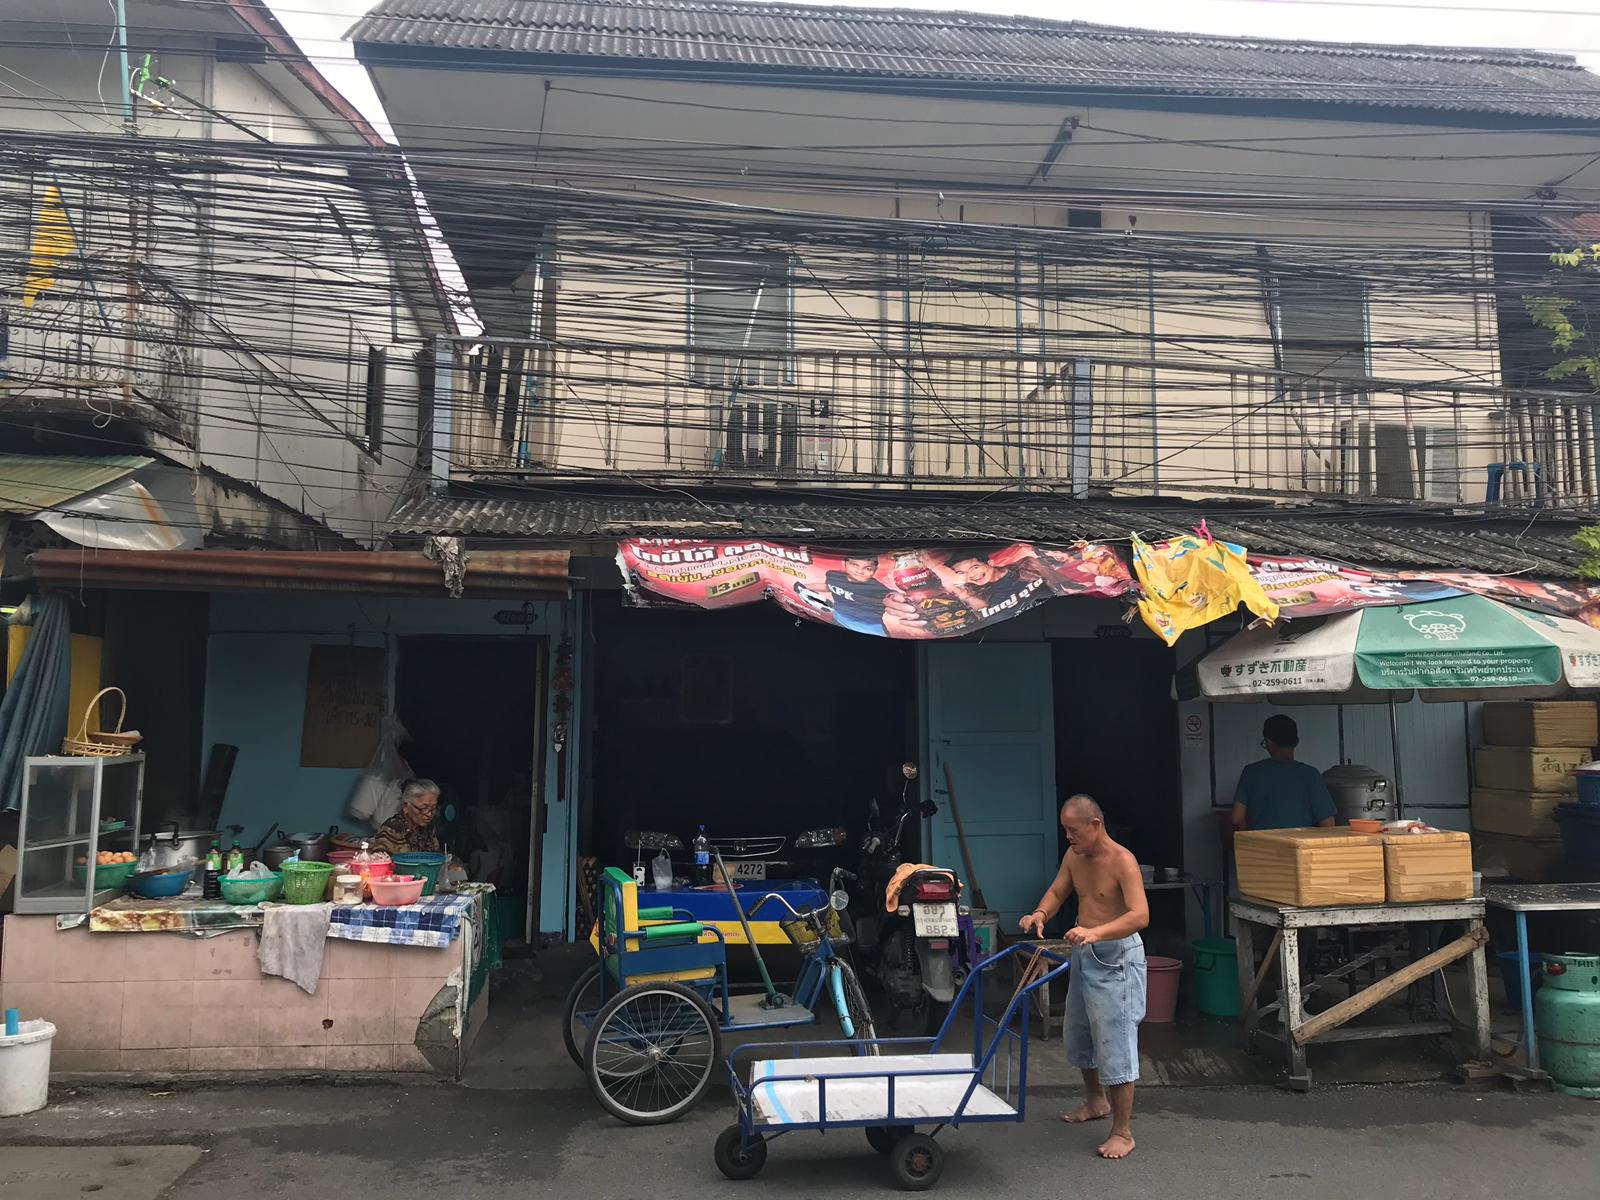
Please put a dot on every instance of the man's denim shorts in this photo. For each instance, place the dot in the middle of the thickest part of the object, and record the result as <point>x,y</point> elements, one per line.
<point>1105,1003</point>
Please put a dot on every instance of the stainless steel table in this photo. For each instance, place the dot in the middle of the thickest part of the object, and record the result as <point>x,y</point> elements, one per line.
<point>1297,1029</point>
<point>1522,899</point>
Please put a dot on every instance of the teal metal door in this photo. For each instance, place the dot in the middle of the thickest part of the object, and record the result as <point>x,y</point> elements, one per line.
<point>990,717</point>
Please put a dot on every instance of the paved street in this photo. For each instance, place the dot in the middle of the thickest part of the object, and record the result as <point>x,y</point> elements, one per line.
<point>365,1142</point>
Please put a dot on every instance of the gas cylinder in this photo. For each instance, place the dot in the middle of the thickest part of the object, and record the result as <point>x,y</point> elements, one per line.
<point>1567,1019</point>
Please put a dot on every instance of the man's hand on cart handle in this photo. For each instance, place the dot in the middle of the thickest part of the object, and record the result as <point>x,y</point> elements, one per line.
<point>1033,923</point>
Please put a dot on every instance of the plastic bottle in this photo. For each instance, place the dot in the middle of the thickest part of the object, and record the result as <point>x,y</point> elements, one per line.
<point>236,857</point>
<point>702,858</point>
<point>210,888</point>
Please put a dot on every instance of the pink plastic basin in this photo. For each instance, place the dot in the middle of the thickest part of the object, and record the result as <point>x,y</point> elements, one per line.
<point>398,889</point>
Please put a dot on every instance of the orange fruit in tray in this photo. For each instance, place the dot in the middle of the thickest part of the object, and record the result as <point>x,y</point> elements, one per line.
<point>82,861</point>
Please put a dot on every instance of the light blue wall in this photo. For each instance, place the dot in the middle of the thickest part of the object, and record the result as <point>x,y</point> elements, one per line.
<point>260,645</point>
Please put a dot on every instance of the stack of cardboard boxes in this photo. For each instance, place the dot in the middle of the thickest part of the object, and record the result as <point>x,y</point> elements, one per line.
<point>1325,868</point>
<point>1523,770</point>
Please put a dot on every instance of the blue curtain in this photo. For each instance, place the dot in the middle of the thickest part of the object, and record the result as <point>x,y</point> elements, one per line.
<point>33,717</point>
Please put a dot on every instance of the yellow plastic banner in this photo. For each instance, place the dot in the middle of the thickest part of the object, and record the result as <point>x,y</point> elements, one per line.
<point>52,241</point>
<point>1192,580</point>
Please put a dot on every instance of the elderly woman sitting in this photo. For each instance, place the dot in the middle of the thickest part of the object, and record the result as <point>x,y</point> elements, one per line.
<point>412,827</point>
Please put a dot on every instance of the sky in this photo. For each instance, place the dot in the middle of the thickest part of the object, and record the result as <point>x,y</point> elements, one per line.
<point>1565,26</point>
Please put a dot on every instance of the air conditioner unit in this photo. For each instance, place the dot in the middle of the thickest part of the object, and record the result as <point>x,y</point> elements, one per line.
<point>1396,461</point>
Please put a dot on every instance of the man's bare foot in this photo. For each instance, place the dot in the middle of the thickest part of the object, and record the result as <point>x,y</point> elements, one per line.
<point>1118,1145</point>
<point>1091,1110</point>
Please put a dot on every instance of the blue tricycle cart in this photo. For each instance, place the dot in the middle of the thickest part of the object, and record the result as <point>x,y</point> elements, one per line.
<point>646,1021</point>
<point>899,1085</point>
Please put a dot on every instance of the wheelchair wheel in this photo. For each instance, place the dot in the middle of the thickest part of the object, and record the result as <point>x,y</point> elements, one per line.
<point>583,1003</point>
<point>652,1053</point>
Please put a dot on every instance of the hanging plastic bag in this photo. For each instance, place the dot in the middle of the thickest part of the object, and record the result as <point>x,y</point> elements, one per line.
<point>1192,580</point>
<point>376,797</point>
<point>661,872</point>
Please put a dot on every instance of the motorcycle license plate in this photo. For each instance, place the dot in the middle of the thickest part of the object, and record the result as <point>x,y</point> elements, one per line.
<point>934,920</point>
<point>747,869</point>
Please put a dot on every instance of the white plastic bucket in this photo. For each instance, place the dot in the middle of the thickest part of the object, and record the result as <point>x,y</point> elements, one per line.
<point>25,1068</point>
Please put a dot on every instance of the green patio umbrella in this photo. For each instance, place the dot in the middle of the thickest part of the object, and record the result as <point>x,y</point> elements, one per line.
<point>1465,648</point>
<point>1456,649</point>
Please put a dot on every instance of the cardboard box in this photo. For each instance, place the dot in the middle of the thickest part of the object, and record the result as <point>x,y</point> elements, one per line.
<point>1427,866</point>
<point>1520,814</point>
<point>1541,723</point>
<point>1518,769</point>
<point>1310,868</point>
<point>1532,860</point>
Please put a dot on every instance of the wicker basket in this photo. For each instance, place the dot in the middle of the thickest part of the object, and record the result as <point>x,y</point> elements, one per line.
<point>102,744</point>
<point>804,938</point>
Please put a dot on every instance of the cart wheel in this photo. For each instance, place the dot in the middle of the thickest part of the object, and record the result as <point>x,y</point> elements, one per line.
<point>652,1052</point>
<point>882,1138</point>
<point>736,1160</point>
<point>583,1001</point>
<point>918,1162</point>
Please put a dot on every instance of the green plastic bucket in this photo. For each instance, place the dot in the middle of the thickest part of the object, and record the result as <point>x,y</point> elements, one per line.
<point>305,882</point>
<point>1216,976</point>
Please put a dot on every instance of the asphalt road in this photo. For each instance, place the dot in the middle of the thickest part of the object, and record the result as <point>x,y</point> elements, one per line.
<point>396,1142</point>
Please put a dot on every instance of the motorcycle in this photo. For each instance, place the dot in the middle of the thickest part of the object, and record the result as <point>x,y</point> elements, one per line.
<point>909,953</point>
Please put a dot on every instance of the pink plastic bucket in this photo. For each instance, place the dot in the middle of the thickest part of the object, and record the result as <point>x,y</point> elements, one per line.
<point>1161,989</point>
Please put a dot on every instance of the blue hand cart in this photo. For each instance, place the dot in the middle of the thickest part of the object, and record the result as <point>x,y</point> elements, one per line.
<point>897,1086</point>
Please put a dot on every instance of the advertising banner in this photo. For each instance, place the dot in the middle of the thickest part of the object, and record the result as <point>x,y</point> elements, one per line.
<point>1317,587</point>
<point>931,592</point>
<point>950,590</point>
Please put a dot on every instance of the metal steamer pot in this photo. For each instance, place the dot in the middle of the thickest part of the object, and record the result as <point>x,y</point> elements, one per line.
<point>313,847</point>
<point>1360,792</point>
<point>193,843</point>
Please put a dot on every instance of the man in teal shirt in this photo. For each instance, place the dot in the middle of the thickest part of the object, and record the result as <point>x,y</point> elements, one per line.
<point>1278,792</point>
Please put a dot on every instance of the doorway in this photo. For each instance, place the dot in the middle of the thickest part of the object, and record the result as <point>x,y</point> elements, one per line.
<point>473,710</point>
<point>744,720</point>
<point>1115,720</point>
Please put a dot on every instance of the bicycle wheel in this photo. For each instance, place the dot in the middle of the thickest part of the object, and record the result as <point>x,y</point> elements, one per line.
<point>652,1053</point>
<point>583,1003</point>
<point>855,1002</point>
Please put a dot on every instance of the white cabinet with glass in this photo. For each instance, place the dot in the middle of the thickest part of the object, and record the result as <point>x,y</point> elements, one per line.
<point>79,833</point>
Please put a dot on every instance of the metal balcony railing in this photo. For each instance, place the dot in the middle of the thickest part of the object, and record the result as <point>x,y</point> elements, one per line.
<point>960,421</point>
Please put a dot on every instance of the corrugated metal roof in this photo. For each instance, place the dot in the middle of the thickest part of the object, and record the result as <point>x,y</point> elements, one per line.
<point>1541,547</point>
<point>1025,52</point>
<point>32,482</point>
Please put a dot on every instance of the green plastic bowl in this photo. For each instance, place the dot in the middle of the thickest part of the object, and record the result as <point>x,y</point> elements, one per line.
<point>251,891</point>
<point>115,875</point>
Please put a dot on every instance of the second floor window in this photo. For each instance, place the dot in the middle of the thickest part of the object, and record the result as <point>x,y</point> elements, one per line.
<point>1322,327</point>
<point>741,319</point>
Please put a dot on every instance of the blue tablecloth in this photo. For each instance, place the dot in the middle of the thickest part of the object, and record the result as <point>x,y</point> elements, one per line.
<point>435,921</point>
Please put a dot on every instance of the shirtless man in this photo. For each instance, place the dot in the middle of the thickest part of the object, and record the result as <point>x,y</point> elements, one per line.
<point>1105,990</point>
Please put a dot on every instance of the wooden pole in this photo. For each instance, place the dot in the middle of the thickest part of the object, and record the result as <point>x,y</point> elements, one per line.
<point>961,836</point>
<point>1384,988</point>
<point>1267,960</point>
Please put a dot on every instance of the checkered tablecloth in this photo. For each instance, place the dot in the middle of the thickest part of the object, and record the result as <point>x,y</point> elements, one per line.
<point>435,921</point>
